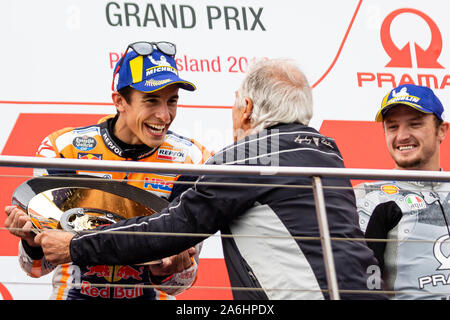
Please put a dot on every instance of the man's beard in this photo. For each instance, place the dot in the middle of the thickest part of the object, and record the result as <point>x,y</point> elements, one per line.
<point>408,164</point>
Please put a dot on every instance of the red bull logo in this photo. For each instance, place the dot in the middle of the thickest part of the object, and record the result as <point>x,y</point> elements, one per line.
<point>115,273</point>
<point>127,272</point>
<point>107,292</point>
<point>95,292</point>
<point>90,156</point>
<point>100,271</point>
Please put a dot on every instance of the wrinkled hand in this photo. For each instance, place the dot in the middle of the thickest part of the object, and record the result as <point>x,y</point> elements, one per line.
<point>20,224</point>
<point>56,245</point>
<point>174,264</point>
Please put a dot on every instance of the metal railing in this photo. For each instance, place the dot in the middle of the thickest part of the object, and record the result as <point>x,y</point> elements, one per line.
<point>316,174</point>
<point>128,166</point>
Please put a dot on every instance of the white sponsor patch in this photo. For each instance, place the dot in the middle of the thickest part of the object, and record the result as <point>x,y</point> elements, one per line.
<point>171,155</point>
<point>415,202</point>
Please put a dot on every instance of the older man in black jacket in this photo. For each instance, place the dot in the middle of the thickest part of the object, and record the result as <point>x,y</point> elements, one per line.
<point>267,220</point>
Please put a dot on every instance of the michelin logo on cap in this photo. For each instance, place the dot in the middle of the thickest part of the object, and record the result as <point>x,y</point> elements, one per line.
<point>161,65</point>
<point>154,70</point>
<point>403,95</point>
<point>161,62</point>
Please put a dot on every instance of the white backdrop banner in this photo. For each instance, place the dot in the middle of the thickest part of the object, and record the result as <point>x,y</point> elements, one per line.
<point>57,60</point>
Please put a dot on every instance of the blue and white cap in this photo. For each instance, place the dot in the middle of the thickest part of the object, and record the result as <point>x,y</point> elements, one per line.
<point>418,97</point>
<point>149,73</point>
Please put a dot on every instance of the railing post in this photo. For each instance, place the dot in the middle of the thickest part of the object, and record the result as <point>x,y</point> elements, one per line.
<point>325,238</point>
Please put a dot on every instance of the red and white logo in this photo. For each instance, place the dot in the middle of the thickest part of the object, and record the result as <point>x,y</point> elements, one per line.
<point>415,64</point>
<point>402,58</point>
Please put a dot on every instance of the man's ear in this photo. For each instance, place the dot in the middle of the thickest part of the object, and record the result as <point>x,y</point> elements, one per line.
<point>443,129</point>
<point>247,112</point>
<point>119,101</point>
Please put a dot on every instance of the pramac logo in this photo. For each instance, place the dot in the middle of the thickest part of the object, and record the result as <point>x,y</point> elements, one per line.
<point>402,57</point>
<point>442,275</point>
<point>443,259</point>
<point>415,65</point>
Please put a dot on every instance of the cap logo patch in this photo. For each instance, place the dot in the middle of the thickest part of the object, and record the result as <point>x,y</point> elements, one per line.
<point>155,83</point>
<point>403,92</point>
<point>161,62</point>
<point>153,70</point>
<point>403,95</point>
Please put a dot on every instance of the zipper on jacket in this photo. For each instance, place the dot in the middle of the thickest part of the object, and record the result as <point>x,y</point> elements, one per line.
<point>251,275</point>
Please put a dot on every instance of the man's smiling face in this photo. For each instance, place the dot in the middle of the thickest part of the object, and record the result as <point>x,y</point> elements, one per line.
<point>148,116</point>
<point>413,138</point>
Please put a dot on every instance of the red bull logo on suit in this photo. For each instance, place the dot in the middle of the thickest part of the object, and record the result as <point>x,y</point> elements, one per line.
<point>113,274</point>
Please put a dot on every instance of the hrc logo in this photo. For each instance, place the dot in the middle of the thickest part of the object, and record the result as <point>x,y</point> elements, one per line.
<point>158,184</point>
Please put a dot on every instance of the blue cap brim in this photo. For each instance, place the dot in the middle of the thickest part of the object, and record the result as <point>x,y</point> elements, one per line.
<point>381,113</point>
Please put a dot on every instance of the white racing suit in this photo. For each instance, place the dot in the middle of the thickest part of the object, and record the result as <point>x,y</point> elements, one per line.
<point>416,265</point>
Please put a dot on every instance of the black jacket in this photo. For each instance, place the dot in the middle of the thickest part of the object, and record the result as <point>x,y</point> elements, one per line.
<point>262,214</point>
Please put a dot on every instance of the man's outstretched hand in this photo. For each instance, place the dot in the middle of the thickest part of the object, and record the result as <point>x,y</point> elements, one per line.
<point>56,245</point>
<point>19,224</point>
<point>174,264</point>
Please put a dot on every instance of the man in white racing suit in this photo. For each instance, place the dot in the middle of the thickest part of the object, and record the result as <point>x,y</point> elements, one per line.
<point>413,215</point>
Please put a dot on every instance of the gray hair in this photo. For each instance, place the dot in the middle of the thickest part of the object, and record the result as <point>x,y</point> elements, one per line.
<point>279,91</point>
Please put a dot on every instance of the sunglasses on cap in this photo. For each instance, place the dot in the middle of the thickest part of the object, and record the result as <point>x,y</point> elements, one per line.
<point>144,48</point>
